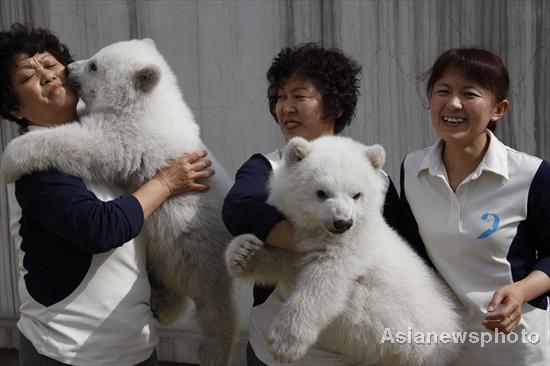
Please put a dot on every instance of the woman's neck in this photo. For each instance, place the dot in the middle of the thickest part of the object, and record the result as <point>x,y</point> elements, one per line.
<point>462,160</point>
<point>60,119</point>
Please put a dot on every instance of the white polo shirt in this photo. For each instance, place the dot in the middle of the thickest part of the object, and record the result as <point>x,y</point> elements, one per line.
<point>493,231</point>
<point>107,319</point>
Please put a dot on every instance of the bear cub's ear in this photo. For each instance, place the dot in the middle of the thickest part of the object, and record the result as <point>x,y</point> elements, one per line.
<point>376,155</point>
<point>149,41</point>
<point>146,78</point>
<point>296,149</point>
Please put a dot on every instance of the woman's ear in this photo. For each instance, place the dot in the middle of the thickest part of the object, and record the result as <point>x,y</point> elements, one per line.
<point>500,109</point>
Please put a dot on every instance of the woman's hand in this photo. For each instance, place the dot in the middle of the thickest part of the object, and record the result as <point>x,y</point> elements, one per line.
<point>182,174</point>
<point>504,310</point>
<point>511,297</point>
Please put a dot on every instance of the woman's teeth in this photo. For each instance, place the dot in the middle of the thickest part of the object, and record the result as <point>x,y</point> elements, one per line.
<point>454,120</point>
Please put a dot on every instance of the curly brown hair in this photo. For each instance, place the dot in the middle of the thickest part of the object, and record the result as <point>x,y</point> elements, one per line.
<point>334,74</point>
<point>27,40</point>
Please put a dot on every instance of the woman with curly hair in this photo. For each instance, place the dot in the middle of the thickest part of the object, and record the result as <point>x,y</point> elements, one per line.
<point>312,92</point>
<point>83,283</point>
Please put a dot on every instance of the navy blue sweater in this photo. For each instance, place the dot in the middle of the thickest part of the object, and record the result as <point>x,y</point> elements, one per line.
<point>62,225</point>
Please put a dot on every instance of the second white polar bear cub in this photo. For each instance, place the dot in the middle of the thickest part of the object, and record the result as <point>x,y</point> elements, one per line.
<point>354,278</point>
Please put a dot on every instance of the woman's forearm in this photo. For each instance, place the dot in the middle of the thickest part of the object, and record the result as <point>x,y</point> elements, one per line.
<point>534,285</point>
<point>151,195</point>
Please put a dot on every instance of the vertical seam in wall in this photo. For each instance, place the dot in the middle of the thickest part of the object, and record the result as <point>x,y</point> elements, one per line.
<point>322,23</point>
<point>199,81</point>
<point>327,24</point>
<point>291,29</point>
<point>133,18</point>
<point>537,85</point>
<point>27,14</point>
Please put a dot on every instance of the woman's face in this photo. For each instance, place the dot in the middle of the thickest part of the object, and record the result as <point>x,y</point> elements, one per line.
<point>43,96</point>
<point>461,109</point>
<point>300,110</point>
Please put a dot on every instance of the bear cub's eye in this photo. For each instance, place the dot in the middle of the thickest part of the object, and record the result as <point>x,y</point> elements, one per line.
<point>322,195</point>
<point>357,196</point>
<point>93,66</point>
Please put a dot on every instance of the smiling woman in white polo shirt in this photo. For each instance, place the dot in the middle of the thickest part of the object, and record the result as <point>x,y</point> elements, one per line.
<point>479,211</point>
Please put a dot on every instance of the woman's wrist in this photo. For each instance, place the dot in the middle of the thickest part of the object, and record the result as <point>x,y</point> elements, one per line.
<point>164,186</point>
<point>151,195</point>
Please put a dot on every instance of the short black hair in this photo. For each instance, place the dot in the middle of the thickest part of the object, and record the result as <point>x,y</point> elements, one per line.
<point>23,39</point>
<point>334,74</point>
<point>476,64</point>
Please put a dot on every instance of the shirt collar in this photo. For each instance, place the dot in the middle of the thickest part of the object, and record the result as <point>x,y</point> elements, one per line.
<point>275,158</point>
<point>432,161</point>
<point>494,161</point>
<point>35,127</point>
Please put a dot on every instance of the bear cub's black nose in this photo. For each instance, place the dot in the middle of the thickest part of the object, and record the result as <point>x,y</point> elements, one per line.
<point>342,225</point>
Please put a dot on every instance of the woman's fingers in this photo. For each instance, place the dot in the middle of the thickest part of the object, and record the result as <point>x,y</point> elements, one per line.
<point>204,174</point>
<point>182,174</point>
<point>201,165</point>
<point>505,320</point>
<point>194,156</point>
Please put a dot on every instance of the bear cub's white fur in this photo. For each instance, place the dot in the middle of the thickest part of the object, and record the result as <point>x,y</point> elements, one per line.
<point>135,121</point>
<point>354,278</point>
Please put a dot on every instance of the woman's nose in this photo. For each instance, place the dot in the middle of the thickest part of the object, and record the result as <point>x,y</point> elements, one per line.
<point>455,102</point>
<point>288,105</point>
<point>46,75</point>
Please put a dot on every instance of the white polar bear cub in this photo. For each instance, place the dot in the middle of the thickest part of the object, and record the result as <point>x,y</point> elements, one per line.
<point>356,282</point>
<point>135,121</point>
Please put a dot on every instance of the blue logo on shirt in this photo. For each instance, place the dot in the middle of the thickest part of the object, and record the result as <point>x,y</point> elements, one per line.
<point>488,217</point>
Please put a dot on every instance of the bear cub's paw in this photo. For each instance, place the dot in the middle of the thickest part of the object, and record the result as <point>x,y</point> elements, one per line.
<point>287,345</point>
<point>164,307</point>
<point>240,253</point>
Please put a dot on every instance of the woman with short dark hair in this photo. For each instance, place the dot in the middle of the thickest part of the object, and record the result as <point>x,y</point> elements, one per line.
<point>480,212</point>
<point>21,40</point>
<point>335,75</point>
<point>83,283</point>
<point>312,93</point>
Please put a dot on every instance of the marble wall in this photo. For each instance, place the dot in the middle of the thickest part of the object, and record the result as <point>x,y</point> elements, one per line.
<point>220,51</point>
